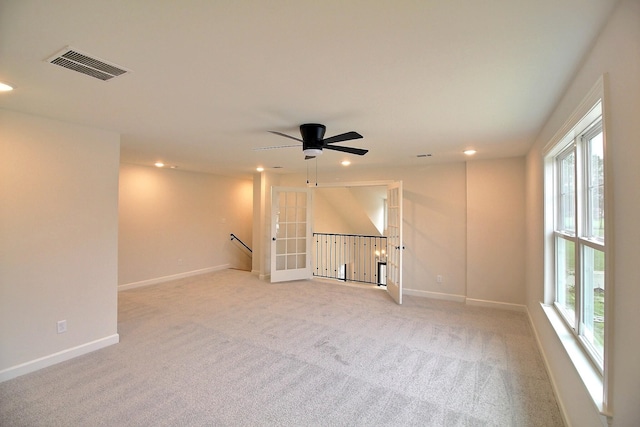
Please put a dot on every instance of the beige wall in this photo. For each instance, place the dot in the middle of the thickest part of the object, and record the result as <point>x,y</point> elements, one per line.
<point>58,240</point>
<point>495,230</point>
<point>175,223</point>
<point>326,219</point>
<point>434,220</point>
<point>616,53</point>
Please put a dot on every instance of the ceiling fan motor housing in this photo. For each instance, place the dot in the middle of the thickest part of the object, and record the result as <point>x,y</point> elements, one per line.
<point>312,135</point>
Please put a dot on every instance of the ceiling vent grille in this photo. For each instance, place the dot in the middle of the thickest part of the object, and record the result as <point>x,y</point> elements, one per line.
<point>74,60</point>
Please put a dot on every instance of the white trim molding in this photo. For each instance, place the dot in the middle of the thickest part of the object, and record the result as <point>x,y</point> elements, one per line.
<point>547,366</point>
<point>162,279</point>
<point>591,377</point>
<point>594,104</point>
<point>468,301</point>
<point>55,358</point>
<point>496,304</point>
<point>434,295</point>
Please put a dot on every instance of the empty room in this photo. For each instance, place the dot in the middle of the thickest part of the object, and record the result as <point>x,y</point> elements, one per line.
<point>319,213</point>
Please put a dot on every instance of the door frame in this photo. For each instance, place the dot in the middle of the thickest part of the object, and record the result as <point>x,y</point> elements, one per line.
<point>397,291</point>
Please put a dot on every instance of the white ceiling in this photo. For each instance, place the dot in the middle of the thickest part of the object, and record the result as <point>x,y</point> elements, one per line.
<point>211,78</point>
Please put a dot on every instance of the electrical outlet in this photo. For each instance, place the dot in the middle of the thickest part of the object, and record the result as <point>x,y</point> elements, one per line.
<point>62,326</point>
<point>439,278</point>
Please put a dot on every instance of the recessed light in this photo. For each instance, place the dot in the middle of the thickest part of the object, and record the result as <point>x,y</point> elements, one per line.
<point>260,169</point>
<point>470,152</point>
<point>5,87</point>
<point>345,163</point>
<point>159,164</point>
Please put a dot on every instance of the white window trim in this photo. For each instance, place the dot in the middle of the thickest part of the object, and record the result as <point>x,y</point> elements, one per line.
<point>596,383</point>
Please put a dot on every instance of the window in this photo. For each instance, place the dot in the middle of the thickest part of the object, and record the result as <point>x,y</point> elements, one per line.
<point>576,253</point>
<point>579,236</point>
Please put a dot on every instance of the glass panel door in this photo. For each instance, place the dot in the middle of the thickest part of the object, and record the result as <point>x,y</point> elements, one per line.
<point>394,241</point>
<point>290,234</point>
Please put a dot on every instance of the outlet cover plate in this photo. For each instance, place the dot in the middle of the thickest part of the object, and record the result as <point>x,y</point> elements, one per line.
<point>62,326</point>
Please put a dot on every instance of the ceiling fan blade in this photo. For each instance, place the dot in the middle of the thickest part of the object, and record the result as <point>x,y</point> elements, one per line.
<point>309,157</point>
<point>285,135</point>
<point>273,147</point>
<point>342,137</point>
<point>351,150</point>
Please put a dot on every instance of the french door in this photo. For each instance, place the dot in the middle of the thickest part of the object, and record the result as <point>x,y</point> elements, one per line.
<point>290,234</point>
<point>394,241</point>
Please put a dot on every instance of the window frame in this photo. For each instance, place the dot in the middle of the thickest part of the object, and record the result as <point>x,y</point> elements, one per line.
<point>592,131</point>
<point>578,233</point>
<point>594,372</point>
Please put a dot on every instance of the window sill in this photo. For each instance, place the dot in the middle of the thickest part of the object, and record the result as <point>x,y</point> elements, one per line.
<point>591,377</point>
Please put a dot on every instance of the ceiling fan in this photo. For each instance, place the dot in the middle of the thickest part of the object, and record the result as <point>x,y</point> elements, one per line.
<point>313,141</point>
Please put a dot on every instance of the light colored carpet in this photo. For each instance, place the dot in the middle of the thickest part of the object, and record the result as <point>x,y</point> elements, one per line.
<point>226,349</point>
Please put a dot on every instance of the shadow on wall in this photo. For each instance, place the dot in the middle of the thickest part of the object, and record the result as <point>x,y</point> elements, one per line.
<point>352,210</point>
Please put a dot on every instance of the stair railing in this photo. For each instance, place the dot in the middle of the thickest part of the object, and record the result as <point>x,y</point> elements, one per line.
<point>350,257</point>
<point>234,237</point>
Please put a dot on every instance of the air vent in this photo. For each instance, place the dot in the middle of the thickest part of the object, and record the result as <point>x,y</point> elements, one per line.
<point>86,64</point>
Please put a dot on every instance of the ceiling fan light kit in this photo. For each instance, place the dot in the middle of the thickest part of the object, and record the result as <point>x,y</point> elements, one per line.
<point>312,152</point>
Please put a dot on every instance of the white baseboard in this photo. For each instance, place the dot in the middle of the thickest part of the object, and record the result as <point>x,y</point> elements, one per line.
<point>465,300</point>
<point>495,304</point>
<point>61,356</point>
<point>434,295</point>
<point>261,276</point>
<point>162,279</point>
<point>547,366</point>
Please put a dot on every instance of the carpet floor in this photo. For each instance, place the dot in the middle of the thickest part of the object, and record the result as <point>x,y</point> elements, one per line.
<point>226,349</point>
